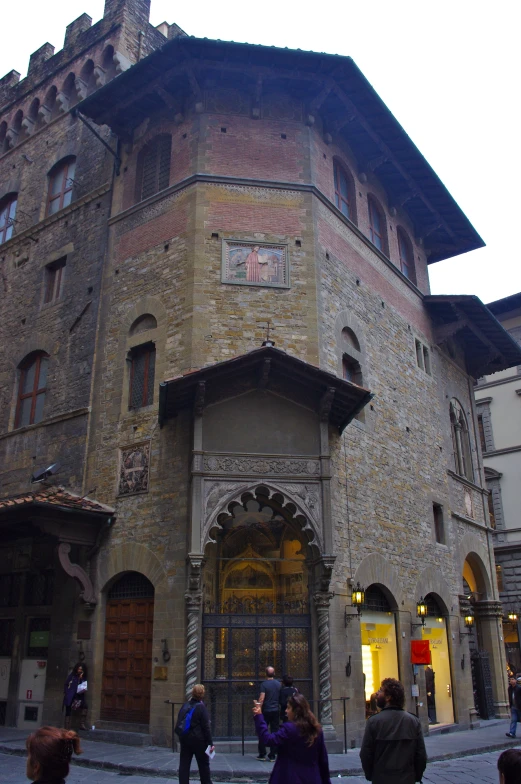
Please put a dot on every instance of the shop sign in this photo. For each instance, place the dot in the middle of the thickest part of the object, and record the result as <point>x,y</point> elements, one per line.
<point>371,640</point>
<point>39,640</point>
<point>420,652</point>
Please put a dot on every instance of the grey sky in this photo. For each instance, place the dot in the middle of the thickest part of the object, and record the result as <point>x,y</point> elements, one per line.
<point>448,71</point>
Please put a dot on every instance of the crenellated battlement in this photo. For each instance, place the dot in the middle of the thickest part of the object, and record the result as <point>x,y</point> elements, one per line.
<point>91,56</point>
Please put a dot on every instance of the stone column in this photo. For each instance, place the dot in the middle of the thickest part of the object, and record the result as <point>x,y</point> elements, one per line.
<point>322,601</point>
<point>489,615</point>
<point>193,625</point>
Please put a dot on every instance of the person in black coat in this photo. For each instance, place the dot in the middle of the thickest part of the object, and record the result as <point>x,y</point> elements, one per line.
<point>197,739</point>
<point>287,691</point>
<point>514,701</point>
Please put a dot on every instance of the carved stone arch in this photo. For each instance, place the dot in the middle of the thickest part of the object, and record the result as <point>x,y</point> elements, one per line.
<point>376,570</point>
<point>430,581</point>
<point>304,497</point>
<point>37,342</point>
<point>148,304</point>
<point>474,552</point>
<point>130,557</point>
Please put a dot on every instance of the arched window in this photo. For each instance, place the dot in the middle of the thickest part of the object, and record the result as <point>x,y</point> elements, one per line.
<point>143,324</point>
<point>142,369</point>
<point>344,191</point>
<point>406,255</point>
<point>32,388</point>
<point>351,370</point>
<point>377,230</point>
<point>7,215</point>
<point>460,440</point>
<point>61,181</point>
<point>153,167</point>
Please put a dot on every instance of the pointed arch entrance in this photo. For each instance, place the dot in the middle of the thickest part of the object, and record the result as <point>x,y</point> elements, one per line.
<point>256,609</point>
<point>127,658</point>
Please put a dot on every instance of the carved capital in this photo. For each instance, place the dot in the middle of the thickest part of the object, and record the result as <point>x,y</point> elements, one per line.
<point>195,568</point>
<point>75,570</point>
<point>322,601</point>
<point>488,609</point>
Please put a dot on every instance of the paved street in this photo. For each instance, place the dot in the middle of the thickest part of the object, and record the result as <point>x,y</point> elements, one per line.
<point>479,769</point>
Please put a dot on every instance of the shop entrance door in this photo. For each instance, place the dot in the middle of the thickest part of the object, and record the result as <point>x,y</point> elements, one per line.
<point>237,650</point>
<point>127,661</point>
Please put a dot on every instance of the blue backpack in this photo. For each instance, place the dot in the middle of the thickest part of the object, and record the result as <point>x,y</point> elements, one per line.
<point>184,720</point>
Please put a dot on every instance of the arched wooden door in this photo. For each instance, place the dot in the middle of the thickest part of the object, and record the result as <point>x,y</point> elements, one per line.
<point>127,660</point>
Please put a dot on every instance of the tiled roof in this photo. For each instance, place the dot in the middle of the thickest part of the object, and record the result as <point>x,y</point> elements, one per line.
<point>55,496</point>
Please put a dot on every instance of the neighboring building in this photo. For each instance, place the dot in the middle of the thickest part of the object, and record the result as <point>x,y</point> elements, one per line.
<point>498,405</point>
<point>217,496</point>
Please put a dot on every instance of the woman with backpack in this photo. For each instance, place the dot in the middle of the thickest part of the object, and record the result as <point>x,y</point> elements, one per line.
<point>193,729</point>
<point>287,691</point>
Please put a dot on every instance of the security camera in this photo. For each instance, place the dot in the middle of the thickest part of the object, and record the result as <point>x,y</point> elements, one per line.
<point>41,476</point>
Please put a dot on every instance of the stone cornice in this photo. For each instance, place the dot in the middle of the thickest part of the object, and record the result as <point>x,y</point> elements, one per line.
<point>467,482</point>
<point>504,451</point>
<point>50,421</point>
<point>246,182</point>
<point>498,383</point>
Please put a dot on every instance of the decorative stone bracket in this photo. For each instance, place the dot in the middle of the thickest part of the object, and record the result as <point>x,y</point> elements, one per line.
<point>75,570</point>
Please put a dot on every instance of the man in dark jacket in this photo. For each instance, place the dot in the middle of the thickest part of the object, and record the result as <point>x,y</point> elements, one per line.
<point>196,739</point>
<point>269,702</point>
<point>514,701</point>
<point>393,749</point>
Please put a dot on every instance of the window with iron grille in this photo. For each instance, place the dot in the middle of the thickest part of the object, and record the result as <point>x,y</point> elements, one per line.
<point>343,191</point>
<point>376,600</point>
<point>7,215</point>
<point>39,588</point>
<point>153,167</point>
<point>433,607</point>
<point>32,389</point>
<point>460,440</point>
<point>132,585</point>
<point>376,225</point>
<point>53,281</point>
<point>61,181</point>
<point>142,369</point>
<point>10,589</point>
<point>6,636</point>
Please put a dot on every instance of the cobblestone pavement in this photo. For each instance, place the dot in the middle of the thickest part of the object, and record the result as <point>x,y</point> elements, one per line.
<point>479,769</point>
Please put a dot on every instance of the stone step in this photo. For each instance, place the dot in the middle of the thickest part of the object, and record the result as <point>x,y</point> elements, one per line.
<point>131,738</point>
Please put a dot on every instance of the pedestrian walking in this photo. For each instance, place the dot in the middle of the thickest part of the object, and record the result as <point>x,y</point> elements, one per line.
<point>287,691</point>
<point>75,695</point>
<point>509,766</point>
<point>269,704</point>
<point>49,752</point>
<point>302,755</point>
<point>393,749</point>
<point>514,700</point>
<point>193,729</point>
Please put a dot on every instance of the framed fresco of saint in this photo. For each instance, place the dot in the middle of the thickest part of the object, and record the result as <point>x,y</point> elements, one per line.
<point>255,264</point>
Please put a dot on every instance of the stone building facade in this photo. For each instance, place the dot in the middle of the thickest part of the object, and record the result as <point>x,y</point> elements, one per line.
<point>223,349</point>
<point>497,401</point>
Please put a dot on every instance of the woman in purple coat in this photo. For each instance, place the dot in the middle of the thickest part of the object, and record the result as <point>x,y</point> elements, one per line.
<point>71,696</point>
<point>302,755</point>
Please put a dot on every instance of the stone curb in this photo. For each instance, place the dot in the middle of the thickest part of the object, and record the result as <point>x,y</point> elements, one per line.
<point>239,775</point>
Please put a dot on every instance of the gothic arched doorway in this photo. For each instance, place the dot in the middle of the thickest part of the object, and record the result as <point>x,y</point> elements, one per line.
<point>256,606</point>
<point>127,658</point>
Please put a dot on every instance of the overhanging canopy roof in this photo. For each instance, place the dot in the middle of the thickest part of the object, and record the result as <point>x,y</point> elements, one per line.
<point>330,85</point>
<point>267,368</point>
<point>487,345</point>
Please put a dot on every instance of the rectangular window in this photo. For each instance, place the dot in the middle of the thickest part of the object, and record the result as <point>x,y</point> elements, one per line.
<point>439,528</point>
<point>10,589</point>
<point>426,360</point>
<point>142,370</point>
<point>481,430</point>
<point>6,636</point>
<point>39,588</point>
<point>53,281</point>
<point>419,354</point>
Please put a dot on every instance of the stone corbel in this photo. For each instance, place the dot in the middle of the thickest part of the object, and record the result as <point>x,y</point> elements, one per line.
<point>121,62</point>
<point>195,565</point>
<point>28,125</point>
<point>100,77</point>
<point>11,138</point>
<point>76,571</point>
<point>62,102</point>
<point>44,114</point>
<point>326,563</point>
<point>81,88</point>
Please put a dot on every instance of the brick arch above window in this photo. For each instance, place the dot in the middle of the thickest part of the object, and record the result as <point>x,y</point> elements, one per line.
<point>32,389</point>
<point>143,324</point>
<point>345,193</point>
<point>61,184</point>
<point>153,167</point>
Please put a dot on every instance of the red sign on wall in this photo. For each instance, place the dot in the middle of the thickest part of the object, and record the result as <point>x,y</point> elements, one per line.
<point>29,694</point>
<point>420,653</point>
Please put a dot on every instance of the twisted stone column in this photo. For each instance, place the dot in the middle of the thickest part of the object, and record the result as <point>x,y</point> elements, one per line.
<point>322,601</point>
<point>193,625</point>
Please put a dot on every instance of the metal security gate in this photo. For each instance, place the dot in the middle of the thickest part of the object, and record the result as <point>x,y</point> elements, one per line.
<point>482,684</point>
<point>236,651</point>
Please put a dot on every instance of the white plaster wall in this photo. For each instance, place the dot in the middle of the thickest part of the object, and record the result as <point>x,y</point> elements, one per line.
<point>505,412</point>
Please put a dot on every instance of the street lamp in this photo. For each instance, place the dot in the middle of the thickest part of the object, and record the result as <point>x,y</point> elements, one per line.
<point>421,610</point>
<point>357,600</point>
<point>512,616</point>
<point>469,620</point>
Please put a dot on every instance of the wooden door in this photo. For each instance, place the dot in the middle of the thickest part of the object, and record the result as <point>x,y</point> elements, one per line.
<point>127,662</point>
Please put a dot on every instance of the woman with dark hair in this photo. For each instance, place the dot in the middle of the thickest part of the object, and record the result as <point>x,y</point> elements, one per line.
<point>509,766</point>
<point>287,691</point>
<point>302,756</point>
<point>74,694</point>
<point>49,752</point>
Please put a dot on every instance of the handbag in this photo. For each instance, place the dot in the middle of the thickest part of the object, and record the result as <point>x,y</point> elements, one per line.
<point>76,705</point>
